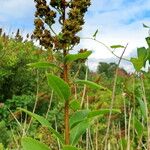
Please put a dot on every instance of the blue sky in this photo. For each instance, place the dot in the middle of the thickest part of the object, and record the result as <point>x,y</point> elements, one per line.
<point>118,21</point>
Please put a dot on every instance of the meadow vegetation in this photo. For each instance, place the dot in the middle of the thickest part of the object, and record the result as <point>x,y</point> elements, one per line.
<point>51,100</point>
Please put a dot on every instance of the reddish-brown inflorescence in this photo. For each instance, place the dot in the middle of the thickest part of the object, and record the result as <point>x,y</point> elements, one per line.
<point>46,16</point>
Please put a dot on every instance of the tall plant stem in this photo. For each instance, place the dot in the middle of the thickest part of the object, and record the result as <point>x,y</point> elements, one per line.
<point>85,88</point>
<point>56,130</point>
<point>36,100</point>
<point>129,128</point>
<point>49,106</point>
<point>65,78</point>
<point>147,113</point>
<point>125,117</point>
<point>96,136</point>
<point>67,129</point>
<point>87,130</point>
<point>113,97</point>
<point>37,92</point>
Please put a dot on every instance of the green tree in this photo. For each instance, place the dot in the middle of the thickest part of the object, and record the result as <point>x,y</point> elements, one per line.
<point>108,69</point>
<point>15,77</point>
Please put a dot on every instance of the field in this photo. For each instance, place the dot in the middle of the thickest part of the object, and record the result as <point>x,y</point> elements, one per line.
<point>50,99</point>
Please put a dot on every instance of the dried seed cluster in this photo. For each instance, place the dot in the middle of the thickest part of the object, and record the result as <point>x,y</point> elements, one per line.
<point>75,20</point>
<point>45,16</point>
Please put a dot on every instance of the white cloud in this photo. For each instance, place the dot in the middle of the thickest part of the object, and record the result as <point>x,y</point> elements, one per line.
<point>118,21</point>
<point>17,14</point>
<point>16,8</point>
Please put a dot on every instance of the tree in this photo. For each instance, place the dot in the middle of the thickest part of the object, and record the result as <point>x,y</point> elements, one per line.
<point>108,69</point>
<point>15,77</point>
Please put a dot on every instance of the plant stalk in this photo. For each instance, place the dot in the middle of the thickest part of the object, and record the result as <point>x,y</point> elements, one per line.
<point>66,109</point>
<point>65,78</point>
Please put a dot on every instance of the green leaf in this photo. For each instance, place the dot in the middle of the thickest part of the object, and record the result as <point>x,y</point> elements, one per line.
<point>81,120</point>
<point>102,112</point>
<point>72,57</point>
<point>137,63</point>
<point>78,116</point>
<point>138,127</point>
<point>68,147</point>
<point>117,46</point>
<point>41,119</point>
<point>91,84</point>
<point>142,53</point>
<point>43,65</point>
<point>43,122</point>
<point>32,144</point>
<point>142,107</point>
<point>78,130</point>
<point>145,26</point>
<point>81,115</point>
<point>59,86</point>
<point>140,62</point>
<point>75,105</point>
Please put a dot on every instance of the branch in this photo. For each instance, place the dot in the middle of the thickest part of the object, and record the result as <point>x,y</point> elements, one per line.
<point>106,48</point>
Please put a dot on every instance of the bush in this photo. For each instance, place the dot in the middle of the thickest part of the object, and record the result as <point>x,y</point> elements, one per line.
<point>16,78</point>
<point>5,135</point>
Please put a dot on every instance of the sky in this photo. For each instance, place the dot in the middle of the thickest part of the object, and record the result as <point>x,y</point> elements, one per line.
<point>118,22</point>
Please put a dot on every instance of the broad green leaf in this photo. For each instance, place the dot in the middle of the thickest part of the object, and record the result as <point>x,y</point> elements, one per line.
<point>69,147</point>
<point>91,84</point>
<point>117,46</point>
<point>72,57</point>
<point>43,122</point>
<point>102,112</point>
<point>60,87</point>
<point>145,26</point>
<point>78,130</point>
<point>43,65</point>
<point>82,115</point>
<point>140,62</point>
<point>78,116</point>
<point>138,127</point>
<point>41,119</point>
<point>142,107</point>
<point>137,63</point>
<point>142,53</point>
<point>81,120</point>
<point>75,105</point>
<point>32,144</point>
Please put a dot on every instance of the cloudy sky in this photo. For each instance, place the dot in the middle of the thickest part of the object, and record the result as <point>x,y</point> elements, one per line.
<point>118,22</point>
